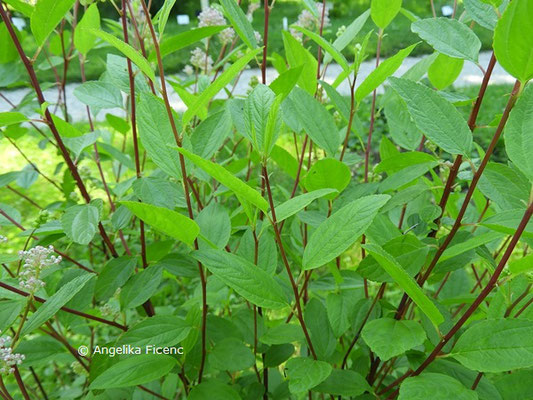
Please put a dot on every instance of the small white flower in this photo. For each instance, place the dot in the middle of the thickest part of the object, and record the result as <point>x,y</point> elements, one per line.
<point>3,239</point>
<point>34,261</point>
<point>211,17</point>
<point>200,60</point>
<point>8,359</point>
<point>188,70</point>
<point>308,21</point>
<point>252,7</point>
<point>227,35</point>
<point>258,37</point>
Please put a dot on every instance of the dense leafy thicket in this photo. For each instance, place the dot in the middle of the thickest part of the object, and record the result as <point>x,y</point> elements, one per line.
<point>279,245</point>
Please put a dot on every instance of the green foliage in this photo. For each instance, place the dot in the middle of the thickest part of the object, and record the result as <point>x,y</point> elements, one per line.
<point>297,239</point>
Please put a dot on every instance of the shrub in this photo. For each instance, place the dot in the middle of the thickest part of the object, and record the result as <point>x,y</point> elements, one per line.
<point>291,242</point>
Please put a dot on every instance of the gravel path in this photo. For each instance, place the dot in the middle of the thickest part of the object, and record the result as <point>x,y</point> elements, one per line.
<point>470,75</point>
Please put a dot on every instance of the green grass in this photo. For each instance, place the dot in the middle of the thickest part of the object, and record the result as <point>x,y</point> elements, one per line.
<point>398,36</point>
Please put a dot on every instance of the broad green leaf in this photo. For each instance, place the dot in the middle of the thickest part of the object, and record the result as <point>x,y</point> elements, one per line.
<point>327,46</point>
<point>444,71</point>
<point>99,95</point>
<point>210,134</point>
<point>436,387</point>
<point>213,389</point>
<point>328,173</point>
<point>239,22</point>
<point>251,282</point>
<point>267,253</point>
<point>80,143</point>
<point>437,118</point>
<point>55,302</point>
<point>83,40</point>
<point>384,11</point>
<point>504,186</point>
<point>159,330</point>
<point>298,56</point>
<point>496,345</point>
<point>167,221</point>
<point>320,331</point>
<point>258,109</point>
<point>513,40</point>
<point>449,36</point>
<point>286,81</point>
<point>163,15</point>
<point>114,274</point>
<point>127,50</point>
<point>185,39</point>
<point>382,72</point>
<point>80,223</point>
<point>140,287</point>
<point>8,51</point>
<point>156,134</point>
<point>507,221</point>
<point>220,83</point>
<point>305,373</point>
<point>226,178</point>
<point>284,333</point>
<point>298,203</point>
<point>159,192</point>
<point>343,382</point>
<point>521,265</point>
<point>316,120</point>
<point>408,284</point>
<point>231,354</point>
<point>517,133</point>
<point>349,34</point>
<point>215,224</point>
<point>136,370</point>
<point>472,243</point>
<point>337,233</point>
<point>389,338</point>
<point>9,312</point>
<point>22,6</point>
<point>484,14</point>
<point>45,17</point>
<point>516,385</point>
<point>11,117</point>
<point>400,161</point>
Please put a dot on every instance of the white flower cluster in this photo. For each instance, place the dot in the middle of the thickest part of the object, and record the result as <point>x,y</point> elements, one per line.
<point>34,261</point>
<point>252,7</point>
<point>3,239</point>
<point>211,17</point>
<point>198,60</point>
<point>227,35</point>
<point>8,359</point>
<point>308,21</point>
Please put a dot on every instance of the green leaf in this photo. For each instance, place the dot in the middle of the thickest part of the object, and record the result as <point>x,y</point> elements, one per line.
<point>10,118</point>
<point>80,143</point>
<point>504,186</point>
<point>436,387</point>
<point>297,56</point>
<point>298,203</point>
<point>159,330</point>
<point>163,15</point>
<point>99,95</point>
<point>156,134</point>
<point>215,224</point>
<point>382,72</point>
<point>449,36</point>
<point>336,54</point>
<point>384,11</point>
<point>133,371</point>
<point>83,40</point>
<point>258,109</point>
<point>496,345</point>
<point>513,40</point>
<point>251,282</point>
<point>337,233</point>
<point>444,71</point>
<point>517,133</point>
<point>239,22</point>
<point>286,81</point>
<point>159,192</point>
<point>22,6</point>
<point>320,331</point>
<point>328,173</point>
<point>114,274</point>
<point>55,302</point>
<point>226,178</point>
<point>140,287</point>
<point>45,17</point>
<point>484,14</point>
<point>343,382</point>
<point>284,333</point>
<point>167,221</point>
<point>185,39</point>
<point>210,134</point>
<point>8,51</point>
<point>316,120</point>
<point>408,284</point>
<point>80,223</point>
<point>436,117</point>
<point>231,354</point>
<point>349,34</point>
<point>470,244</point>
<point>127,50</point>
<point>9,311</point>
<point>220,83</point>
<point>389,338</point>
<point>213,389</point>
<point>305,374</point>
